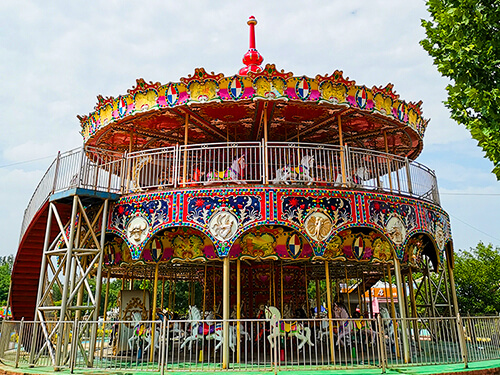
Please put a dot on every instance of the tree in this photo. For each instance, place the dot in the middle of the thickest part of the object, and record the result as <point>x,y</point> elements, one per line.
<point>6,263</point>
<point>477,280</point>
<point>463,37</point>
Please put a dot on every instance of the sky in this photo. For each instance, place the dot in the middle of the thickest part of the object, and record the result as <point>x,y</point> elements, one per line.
<point>57,56</point>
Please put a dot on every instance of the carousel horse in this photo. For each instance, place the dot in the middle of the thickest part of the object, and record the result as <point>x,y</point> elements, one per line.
<point>243,333</point>
<point>200,330</point>
<point>363,327</point>
<point>299,172</point>
<point>281,328</point>
<point>388,327</point>
<point>174,330</point>
<point>345,326</point>
<point>324,328</point>
<point>359,176</point>
<point>233,173</point>
<point>142,332</point>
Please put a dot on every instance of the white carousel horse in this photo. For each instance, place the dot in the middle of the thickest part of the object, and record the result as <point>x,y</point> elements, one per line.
<point>281,328</point>
<point>244,334</point>
<point>345,326</point>
<point>233,173</point>
<point>359,176</point>
<point>174,328</point>
<point>388,326</point>
<point>324,328</point>
<point>200,330</point>
<point>142,332</point>
<point>300,172</point>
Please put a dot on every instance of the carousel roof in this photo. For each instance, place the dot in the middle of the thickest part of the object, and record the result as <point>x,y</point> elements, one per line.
<point>222,109</point>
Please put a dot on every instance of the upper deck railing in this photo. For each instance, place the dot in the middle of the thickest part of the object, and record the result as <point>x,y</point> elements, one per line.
<point>272,163</point>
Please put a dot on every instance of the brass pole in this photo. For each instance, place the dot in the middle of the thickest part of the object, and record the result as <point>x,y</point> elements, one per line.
<point>318,297</point>
<point>347,291</point>
<point>204,290</point>
<point>281,287</point>
<point>372,315</point>
<point>162,293</point>
<point>213,288</point>
<point>173,295</point>
<point>270,285</point>
<point>274,285</point>
<point>307,287</point>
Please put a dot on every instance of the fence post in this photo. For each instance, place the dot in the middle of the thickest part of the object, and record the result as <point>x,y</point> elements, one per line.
<point>176,164</point>
<point>18,351</point>
<point>344,164</point>
<point>56,172</point>
<point>435,191</point>
<point>408,176</point>
<point>73,349</point>
<point>381,336</point>
<point>163,345</point>
<point>462,342</point>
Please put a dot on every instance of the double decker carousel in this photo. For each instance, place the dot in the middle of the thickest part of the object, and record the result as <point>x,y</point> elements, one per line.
<point>268,195</point>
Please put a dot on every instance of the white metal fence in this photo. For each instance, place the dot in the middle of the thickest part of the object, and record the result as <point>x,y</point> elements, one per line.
<point>306,344</point>
<point>232,163</point>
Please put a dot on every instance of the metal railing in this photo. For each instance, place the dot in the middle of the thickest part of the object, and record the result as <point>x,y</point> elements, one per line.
<point>482,337</point>
<point>429,341</point>
<point>233,163</point>
<point>88,167</point>
<point>305,344</point>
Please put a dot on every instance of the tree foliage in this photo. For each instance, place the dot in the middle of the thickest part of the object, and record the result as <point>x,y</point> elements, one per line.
<point>463,37</point>
<point>6,263</point>
<point>477,280</point>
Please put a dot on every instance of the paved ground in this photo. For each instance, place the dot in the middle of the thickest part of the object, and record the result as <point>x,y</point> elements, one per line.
<point>475,368</point>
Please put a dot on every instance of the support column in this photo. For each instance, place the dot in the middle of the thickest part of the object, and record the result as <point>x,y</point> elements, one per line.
<point>238,309</point>
<point>461,333</point>
<point>402,310</point>
<point>329,302</point>
<point>153,317</point>
<point>318,298</point>
<point>98,285</point>
<point>64,297</point>
<point>41,282</point>
<point>266,162</point>
<point>225,312</point>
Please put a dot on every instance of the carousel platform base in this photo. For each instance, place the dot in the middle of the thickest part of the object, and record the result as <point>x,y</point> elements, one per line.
<point>475,368</point>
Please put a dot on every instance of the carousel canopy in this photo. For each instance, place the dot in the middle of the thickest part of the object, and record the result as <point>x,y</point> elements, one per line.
<point>219,108</point>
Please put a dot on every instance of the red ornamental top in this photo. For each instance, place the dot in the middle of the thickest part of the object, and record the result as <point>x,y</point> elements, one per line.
<point>252,58</point>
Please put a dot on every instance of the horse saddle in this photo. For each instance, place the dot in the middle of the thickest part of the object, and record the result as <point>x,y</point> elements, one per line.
<point>207,329</point>
<point>289,326</point>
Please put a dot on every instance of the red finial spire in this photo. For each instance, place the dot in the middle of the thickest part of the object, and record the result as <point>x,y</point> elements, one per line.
<point>252,58</point>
